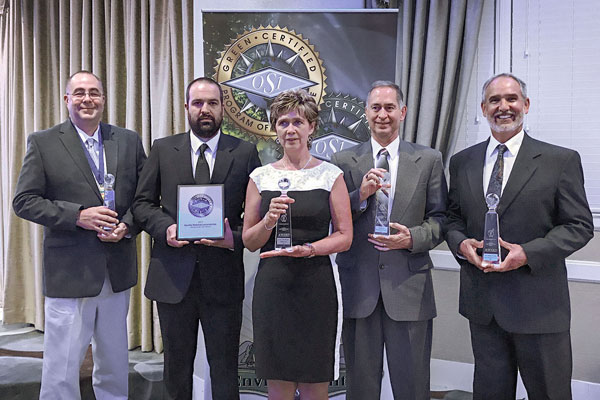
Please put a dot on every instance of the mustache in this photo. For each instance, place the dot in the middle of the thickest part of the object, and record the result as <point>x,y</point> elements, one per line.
<point>501,113</point>
<point>206,116</point>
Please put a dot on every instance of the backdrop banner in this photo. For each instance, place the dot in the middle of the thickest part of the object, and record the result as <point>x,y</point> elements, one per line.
<point>335,56</point>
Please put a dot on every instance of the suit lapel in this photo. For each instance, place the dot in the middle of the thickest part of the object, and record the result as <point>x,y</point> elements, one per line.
<point>363,157</point>
<point>72,142</point>
<point>407,177</point>
<point>223,160</point>
<point>182,159</point>
<point>111,148</point>
<point>522,171</point>
<point>473,171</point>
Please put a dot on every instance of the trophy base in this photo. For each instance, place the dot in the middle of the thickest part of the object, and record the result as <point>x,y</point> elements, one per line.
<point>109,229</point>
<point>283,243</point>
<point>381,230</point>
<point>491,259</point>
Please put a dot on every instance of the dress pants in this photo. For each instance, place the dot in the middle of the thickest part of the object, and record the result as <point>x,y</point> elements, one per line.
<point>221,324</point>
<point>70,325</point>
<point>408,349</point>
<point>544,360</point>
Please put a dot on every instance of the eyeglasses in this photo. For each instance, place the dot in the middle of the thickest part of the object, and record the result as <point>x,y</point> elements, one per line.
<point>80,94</point>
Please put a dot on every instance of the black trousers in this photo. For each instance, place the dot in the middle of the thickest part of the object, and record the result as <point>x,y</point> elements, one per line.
<point>221,324</point>
<point>544,361</point>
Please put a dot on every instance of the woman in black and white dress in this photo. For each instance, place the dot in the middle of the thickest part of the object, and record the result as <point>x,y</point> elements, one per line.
<point>295,308</point>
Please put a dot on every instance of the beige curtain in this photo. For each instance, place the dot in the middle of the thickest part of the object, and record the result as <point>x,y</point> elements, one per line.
<point>436,53</point>
<point>143,52</point>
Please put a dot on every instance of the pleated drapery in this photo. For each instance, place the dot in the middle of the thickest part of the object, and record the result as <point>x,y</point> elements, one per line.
<point>143,52</point>
<point>437,43</point>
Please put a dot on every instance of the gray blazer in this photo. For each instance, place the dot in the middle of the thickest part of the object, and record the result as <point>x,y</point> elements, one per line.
<point>403,277</point>
<point>55,183</point>
<point>544,209</point>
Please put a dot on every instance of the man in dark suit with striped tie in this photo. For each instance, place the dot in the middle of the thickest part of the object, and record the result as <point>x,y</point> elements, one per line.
<point>519,310</point>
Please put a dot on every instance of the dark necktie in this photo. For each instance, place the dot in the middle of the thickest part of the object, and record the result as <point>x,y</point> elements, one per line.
<point>382,195</point>
<point>202,175</point>
<point>495,185</point>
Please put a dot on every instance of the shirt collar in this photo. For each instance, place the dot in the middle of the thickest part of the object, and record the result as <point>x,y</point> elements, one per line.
<point>212,143</point>
<point>513,144</point>
<point>392,148</point>
<point>84,136</point>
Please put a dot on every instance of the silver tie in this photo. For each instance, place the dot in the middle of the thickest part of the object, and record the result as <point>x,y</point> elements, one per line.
<point>382,195</point>
<point>91,146</point>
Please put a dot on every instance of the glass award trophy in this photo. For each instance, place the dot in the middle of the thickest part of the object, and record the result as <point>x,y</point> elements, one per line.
<point>109,194</point>
<point>382,202</point>
<point>283,229</point>
<point>491,234</point>
<point>109,191</point>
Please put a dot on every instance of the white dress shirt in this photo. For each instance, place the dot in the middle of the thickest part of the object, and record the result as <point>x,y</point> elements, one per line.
<point>209,154</point>
<point>392,149</point>
<point>510,155</point>
<point>96,136</point>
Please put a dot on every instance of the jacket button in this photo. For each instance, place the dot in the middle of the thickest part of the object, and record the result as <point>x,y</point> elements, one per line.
<point>381,266</point>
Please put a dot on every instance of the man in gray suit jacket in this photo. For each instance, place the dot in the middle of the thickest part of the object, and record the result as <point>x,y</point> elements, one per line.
<point>387,289</point>
<point>519,311</point>
<point>89,258</point>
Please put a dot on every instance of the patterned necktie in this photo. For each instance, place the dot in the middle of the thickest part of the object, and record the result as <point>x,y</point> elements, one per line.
<point>382,195</point>
<point>382,161</point>
<point>495,185</point>
<point>202,175</point>
<point>91,147</point>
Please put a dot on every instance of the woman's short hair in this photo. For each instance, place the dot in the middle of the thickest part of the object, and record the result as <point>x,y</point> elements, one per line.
<point>291,100</point>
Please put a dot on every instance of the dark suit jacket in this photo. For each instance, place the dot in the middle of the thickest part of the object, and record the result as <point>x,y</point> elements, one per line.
<point>403,277</point>
<point>55,183</point>
<point>155,206</point>
<point>544,209</point>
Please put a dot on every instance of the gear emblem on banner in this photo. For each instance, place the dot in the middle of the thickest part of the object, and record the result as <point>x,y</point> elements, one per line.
<point>343,125</point>
<point>258,65</point>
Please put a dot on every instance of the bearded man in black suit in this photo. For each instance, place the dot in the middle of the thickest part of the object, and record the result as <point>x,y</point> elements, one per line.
<point>204,280</point>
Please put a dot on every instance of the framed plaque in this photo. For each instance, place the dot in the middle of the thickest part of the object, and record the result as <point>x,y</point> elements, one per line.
<point>200,212</point>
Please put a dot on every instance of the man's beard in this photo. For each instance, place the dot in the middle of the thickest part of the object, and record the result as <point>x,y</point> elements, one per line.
<point>203,128</point>
<point>501,128</point>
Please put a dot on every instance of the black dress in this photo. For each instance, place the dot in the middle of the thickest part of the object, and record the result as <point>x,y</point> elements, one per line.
<point>295,309</point>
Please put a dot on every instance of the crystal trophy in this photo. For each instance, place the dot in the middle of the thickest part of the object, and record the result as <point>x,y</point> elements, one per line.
<point>109,194</point>
<point>491,234</point>
<point>382,202</point>
<point>283,229</point>
<point>109,191</point>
